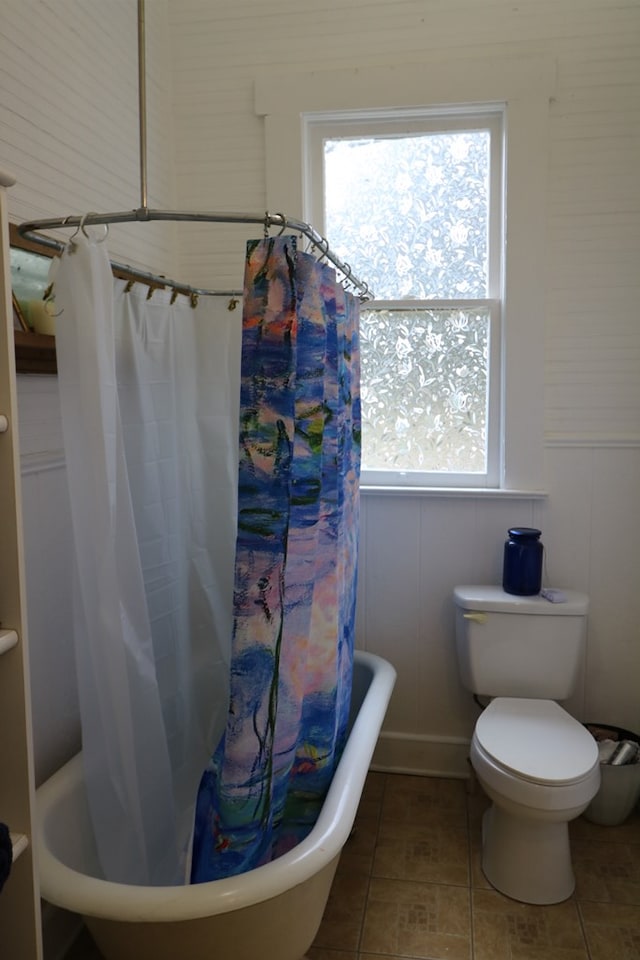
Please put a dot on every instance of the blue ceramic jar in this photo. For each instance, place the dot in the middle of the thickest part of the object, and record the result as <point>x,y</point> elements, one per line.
<point>522,570</point>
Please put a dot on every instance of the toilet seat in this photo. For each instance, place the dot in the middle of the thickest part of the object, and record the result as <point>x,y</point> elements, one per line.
<point>536,741</point>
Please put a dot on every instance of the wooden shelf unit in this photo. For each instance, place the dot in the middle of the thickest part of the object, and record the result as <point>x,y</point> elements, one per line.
<point>20,924</point>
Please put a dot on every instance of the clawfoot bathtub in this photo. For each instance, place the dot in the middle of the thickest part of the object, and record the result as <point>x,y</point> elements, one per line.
<point>272,912</point>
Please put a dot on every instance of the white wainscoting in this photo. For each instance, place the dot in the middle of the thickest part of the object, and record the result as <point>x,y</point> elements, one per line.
<point>414,551</point>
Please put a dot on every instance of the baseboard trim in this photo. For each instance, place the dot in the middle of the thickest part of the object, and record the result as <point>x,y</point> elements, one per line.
<point>422,755</point>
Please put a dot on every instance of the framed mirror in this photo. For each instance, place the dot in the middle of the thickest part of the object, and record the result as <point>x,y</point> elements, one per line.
<point>33,308</point>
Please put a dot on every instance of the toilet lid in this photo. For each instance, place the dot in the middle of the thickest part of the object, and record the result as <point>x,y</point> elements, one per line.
<point>537,740</point>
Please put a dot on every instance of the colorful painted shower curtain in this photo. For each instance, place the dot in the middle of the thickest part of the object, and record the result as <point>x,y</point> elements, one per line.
<point>296,561</point>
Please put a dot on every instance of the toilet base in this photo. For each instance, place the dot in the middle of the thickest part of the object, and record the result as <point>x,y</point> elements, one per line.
<point>528,860</point>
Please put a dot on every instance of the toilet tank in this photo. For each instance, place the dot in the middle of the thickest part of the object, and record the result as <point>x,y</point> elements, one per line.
<point>512,646</point>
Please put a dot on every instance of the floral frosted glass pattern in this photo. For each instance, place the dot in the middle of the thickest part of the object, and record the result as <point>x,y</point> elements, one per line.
<point>410,214</point>
<point>424,389</point>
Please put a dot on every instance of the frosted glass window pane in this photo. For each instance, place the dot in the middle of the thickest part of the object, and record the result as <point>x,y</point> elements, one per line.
<point>411,213</point>
<point>424,389</point>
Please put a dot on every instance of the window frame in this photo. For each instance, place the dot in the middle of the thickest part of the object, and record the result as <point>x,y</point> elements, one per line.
<point>426,478</point>
<point>525,84</point>
<point>320,127</point>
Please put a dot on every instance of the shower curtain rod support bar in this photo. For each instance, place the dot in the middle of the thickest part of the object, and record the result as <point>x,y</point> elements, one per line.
<point>142,103</point>
<point>32,231</point>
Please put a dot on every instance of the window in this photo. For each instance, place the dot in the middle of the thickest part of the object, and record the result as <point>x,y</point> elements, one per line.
<point>414,203</point>
<point>295,105</point>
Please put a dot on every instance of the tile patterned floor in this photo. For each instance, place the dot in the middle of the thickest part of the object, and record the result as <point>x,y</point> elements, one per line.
<point>410,885</point>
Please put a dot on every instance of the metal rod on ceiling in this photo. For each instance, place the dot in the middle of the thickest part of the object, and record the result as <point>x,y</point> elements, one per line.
<point>142,103</point>
<point>31,229</point>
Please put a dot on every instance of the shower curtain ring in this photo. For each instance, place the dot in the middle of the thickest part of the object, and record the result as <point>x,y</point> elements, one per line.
<point>284,223</point>
<point>267,224</point>
<point>71,241</point>
<point>84,229</point>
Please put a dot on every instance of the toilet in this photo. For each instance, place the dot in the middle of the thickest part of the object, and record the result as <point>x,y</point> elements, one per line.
<point>537,764</point>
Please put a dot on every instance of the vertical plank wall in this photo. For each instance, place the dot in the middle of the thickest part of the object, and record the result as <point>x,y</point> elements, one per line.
<point>67,127</point>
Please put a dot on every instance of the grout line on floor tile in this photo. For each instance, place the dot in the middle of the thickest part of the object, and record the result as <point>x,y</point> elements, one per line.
<point>583,927</point>
<point>373,858</point>
<point>470,787</point>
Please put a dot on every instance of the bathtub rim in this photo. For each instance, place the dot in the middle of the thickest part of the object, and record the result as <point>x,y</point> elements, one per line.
<point>89,896</point>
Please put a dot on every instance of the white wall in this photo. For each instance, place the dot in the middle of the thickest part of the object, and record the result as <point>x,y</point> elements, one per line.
<point>69,133</point>
<point>69,116</point>
<point>414,549</point>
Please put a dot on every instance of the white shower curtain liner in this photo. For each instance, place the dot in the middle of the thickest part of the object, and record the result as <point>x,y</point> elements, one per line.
<point>149,395</point>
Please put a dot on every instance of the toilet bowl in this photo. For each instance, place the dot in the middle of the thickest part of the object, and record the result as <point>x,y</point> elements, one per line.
<point>540,768</point>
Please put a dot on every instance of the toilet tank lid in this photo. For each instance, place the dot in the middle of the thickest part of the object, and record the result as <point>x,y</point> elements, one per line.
<point>495,599</point>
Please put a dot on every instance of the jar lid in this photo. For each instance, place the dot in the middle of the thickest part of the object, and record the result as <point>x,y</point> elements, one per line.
<point>524,533</point>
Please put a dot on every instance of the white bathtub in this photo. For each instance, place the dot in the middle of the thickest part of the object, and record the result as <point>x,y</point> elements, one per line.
<point>272,912</point>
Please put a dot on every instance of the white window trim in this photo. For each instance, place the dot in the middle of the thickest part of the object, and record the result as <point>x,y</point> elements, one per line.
<point>525,86</point>
<point>317,128</point>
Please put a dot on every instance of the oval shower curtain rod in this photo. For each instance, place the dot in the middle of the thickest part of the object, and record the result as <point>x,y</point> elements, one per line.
<point>31,230</point>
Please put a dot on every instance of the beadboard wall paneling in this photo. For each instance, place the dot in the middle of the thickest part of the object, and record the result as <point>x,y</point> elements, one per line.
<point>593,342</point>
<point>413,552</point>
<point>204,56</point>
<point>69,117</point>
<point>391,619</point>
<point>40,420</point>
<point>612,662</point>
<point>417,550</point>
<point>48,545</point>
<point>592,349</point>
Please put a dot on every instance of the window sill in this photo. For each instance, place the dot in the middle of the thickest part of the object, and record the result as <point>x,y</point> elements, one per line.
<point>472,493</point>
